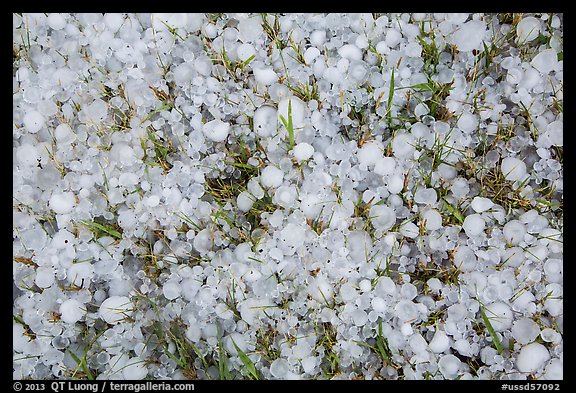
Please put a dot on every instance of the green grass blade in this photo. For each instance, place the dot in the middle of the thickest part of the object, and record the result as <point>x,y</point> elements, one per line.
<point>81,363</point>
<point>109,231</point>
<point>390,97</point>
<point>247,362</point>
<point>491,330</point>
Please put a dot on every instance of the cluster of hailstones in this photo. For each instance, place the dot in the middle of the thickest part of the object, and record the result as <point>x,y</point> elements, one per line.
<point>298,196</point>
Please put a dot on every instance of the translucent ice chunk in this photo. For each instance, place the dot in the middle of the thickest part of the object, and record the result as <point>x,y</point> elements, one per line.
<point>532,357</point>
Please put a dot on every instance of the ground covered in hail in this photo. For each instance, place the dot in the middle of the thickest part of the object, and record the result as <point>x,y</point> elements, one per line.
<point>296,196</point>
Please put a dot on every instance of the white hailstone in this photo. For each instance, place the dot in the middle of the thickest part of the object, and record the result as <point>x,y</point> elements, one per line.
<point>532,357</point>
<point>351,52</point>
<point>56,21</point>
<point>406,310</point>
<point>449,366</point>
<point>481,204</point>
<point>245,51</point>
<point>279,368</point>
<point>417,343</point>
<point>369,154</point>
<point>500,315</point>
<point>386,285</point>
<point>113,21</point>
<point>33,121</point>
<point>135,369</point>
<point>382,217</point>
<point>64,134</point>
<point>309,364</point>
<point>303,151</point>
<point>152,201</point>
<point>433,219</point>
<point>62,203</point>
<point>393,37</point>
<point>183,74</point>
<point>410,230</point>
<point>171,290</point>
<point>249,29</point>
<point>554,370</point>
<point>348,292</point>
<point>298,111</point>
<point>403,145</point>
<point>271,177</point>
<point>474,225</point>
<point>320,289</point>
<point>245,201</point>
<point>469,36</point>
<point>265,76</point>
<point>27,155</point>
<point>44,277</point>
<point>72,311</point>
<point>115,309</point>
<point>216,130</point>
<point>525,330</point>
<point>285,196</point>
<point>359,317</point>
<point>425,196</point>
<point>394,184</point>
<point>514,232</point>
<point>555,132</point>
<point>378,304</point>
<point>440,342</point>
<point>97,110</point>
<point>527,29</point>
<point>265,121</point>
<point>385,166</point>
<point>293,235</point>
<point>311,54</point>
<point>545,61</point>
<point>318,37</point>
<point>468,122</point>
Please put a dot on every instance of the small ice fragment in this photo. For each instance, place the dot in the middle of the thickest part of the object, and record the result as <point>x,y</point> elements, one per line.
<point>481,204</point>
<point>474,225</point>
<point>216,130</point>
<point>62,203</point>
<point>115,309</point>
<point>72,311</point>
<point>33,121</point>
<point>271,177</point>
<point>532,357</point>
<point>303,151</point>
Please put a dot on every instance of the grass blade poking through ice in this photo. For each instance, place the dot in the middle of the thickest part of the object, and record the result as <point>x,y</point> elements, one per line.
<point>390,97</point>
<point>247,362</point>
<point>491,330</point>
<point>289,126</point>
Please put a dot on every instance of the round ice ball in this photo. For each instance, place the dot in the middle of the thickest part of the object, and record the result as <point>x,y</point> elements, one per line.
<point>265,76</point>
<point>33,121</point>
<point>56,21</point>
<point>245,201</point>
<point>525,330</point>
<point>469,36</point>
<point>440,342</point>
<point>500,316</point>
<point>474,225</point>
<point>382,217</point>
<point>27,155</point>
<point>245,51</point>
<point>527,29</point>
<point>403,145</point>
<point>513,169</point>
<point>271,177</point>
<point>72,311</point>
<point>449,366</point>
<point>216,130</point>
<point>135,369</point>
<point>303,151</point>
<point>481,204</point>
<point>369,154</point>
<point>532,357</point>
<point>115,309</point>
<point>62,203</point>
<point>265,121</point>
<point>432,219</point>
<point>171,290</point>
<point>514,232</point>
<point>298,110</point>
